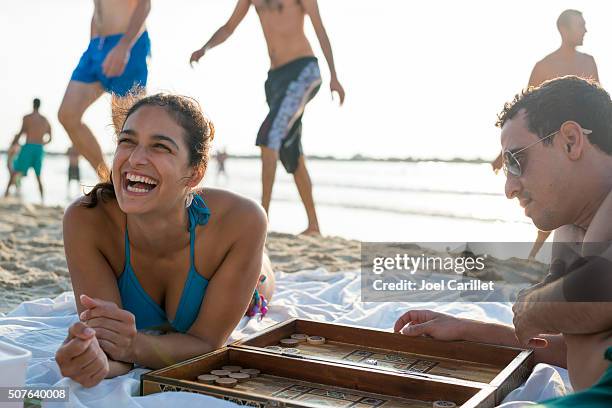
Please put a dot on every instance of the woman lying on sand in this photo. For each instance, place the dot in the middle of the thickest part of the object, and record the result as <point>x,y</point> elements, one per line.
<point>146,251</point>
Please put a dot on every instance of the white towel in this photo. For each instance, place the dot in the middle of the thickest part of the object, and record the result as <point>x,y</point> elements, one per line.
<point>41,326</point>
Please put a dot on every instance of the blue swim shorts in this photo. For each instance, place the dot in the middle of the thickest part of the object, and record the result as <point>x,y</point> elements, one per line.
<point>89,69</point>
<point>30,155</point>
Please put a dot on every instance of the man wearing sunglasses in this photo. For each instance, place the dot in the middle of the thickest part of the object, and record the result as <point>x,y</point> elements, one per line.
<point>565,60</point>
<point>557,149</point>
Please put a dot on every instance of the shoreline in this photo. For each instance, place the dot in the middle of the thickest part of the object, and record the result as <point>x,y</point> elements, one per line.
<point>355,158</point>
<point>33,264</point>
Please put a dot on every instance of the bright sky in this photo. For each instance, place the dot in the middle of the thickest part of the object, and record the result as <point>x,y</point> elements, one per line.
<point>423,79</point>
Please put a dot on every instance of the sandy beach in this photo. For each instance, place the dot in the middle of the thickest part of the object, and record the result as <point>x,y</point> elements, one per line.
<point>33,265</point>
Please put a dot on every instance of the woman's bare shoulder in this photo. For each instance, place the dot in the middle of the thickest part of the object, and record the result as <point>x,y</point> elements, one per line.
<point>103,215</point>
<point>234,210</point>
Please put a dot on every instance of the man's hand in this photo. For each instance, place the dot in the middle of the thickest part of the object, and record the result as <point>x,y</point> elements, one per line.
<point>116,60</point>
<point>440,326</point>
<point>115,328</point>
<point>334,86</point>
<point>526,327</point>
<point>81,358</point>
<point>196,55</point>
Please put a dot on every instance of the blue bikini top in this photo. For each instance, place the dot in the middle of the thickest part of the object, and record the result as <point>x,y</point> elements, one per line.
<point>150,315</point>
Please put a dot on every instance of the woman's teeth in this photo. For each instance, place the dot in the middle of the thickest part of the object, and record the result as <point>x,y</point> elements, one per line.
<point>136,190</point>
<point>140,179</point>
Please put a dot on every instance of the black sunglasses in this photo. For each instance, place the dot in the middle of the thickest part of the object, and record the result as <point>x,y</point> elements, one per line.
<point>512,166</point>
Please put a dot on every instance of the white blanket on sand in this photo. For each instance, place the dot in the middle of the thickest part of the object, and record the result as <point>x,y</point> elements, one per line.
<point>40,326</point>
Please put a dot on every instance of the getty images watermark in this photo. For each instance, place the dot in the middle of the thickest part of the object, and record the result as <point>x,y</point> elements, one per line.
<point>411,264</point>
<point>447,272</point>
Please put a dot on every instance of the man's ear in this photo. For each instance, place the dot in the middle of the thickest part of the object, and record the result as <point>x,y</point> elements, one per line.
<point>196,177</point>
<point>573,139</point>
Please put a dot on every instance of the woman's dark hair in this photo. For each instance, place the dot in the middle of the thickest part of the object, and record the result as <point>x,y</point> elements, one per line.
<point>199,133</point>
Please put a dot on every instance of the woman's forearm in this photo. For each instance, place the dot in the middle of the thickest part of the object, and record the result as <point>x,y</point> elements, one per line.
<point>161,351</point>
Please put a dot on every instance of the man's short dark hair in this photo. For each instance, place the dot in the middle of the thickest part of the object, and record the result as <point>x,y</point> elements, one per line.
<point>36,103</point>
<point>556,101</point>
<point>565,17</point>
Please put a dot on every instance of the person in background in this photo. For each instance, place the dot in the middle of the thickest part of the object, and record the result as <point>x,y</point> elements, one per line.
<point>566,60</point>
<point>74,172</point>
<point>115,62</point>
<point>293,80</point>
<point>35,127</point>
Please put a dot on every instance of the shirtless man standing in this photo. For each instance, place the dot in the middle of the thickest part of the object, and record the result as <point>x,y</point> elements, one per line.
<point>293,80</point>
<point>35,126</point>
<point>557,144</point>
<point>115,61</point>
<point>564,61</point>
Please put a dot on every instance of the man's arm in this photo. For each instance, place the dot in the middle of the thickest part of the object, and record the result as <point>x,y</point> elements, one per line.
<point>578,303</point>
<point>595,72</point>
<point>49,132</point>
<point>312,9</point>
<point>225,31</point>
<point>21,132</point>
<point>117,58</point>
<point>92,27</point>
<point>139,16</point>
<point>442,326</point>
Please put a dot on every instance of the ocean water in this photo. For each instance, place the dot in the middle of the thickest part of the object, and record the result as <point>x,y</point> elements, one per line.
<point>364,200</point>
<point>423,78</point>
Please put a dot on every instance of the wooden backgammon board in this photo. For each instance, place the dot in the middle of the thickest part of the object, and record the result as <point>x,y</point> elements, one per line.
<point>303,363</point>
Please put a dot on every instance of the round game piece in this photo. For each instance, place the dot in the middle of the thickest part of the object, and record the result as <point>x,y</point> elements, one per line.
<point>444,404</point>
<point>226,382</point>
<point>252,372</point>
<point>291,350</point>
<point>207,378</point>
<point>220,373</point>
<point>274,348</point>
<point>316,340</point>
<point>241,377</point>
<point>289,342</point>
<point>231,368</point>
<point>299,337</point>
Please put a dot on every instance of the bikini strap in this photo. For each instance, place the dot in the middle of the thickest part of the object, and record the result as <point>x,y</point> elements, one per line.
<point>127,245</point>
<point>199,214</point>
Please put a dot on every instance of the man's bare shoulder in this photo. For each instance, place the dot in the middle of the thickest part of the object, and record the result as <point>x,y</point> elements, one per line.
<point>600,229</point>
<point>584,55</point>
<point>549,60</point>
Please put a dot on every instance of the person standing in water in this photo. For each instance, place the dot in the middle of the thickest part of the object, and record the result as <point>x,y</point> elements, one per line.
<point>293,80</point>
<point>35,126</point>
